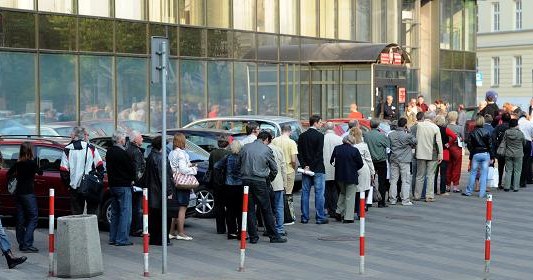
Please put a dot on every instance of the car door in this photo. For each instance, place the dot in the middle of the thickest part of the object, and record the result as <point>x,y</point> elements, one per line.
<point>10,155</point>
<point>49,160</point>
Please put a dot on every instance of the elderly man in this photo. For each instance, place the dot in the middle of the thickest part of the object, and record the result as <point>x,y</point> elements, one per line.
<point>429,153</point>
<point>377,145</point>
<point>401,145</point>
<point>331,140</point>
<point>121,176</point>
<point>78,157</point>
<point>135,152</point>
<point>389,110</point>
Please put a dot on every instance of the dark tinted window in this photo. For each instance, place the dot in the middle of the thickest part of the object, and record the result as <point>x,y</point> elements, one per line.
<point>49,159</point>
<point>10,155</point>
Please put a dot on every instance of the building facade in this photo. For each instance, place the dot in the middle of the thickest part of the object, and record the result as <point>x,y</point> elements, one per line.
<point>505,51</point>
<point>64,62</point>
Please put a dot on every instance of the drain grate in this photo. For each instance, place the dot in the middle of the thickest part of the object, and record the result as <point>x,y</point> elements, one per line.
<point>339,238</point>
<point>403,217</point>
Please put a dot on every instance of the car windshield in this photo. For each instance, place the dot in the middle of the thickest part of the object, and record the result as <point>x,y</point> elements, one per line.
<point>296,130</point>
<point>239,125</point>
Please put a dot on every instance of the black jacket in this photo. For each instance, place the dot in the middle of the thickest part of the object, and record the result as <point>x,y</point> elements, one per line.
<point>497,136</point>
<point>152,179</point>
<point>347,161</point>
<point>25,172</point>
<point>120,169</point>
<point>137,156</point>
<point>491,109</point>
<point>480,141</point>
<point>310,150</point>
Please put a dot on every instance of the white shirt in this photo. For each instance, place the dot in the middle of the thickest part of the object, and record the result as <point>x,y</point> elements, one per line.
<point>248,139</point>
<point>526,127</point>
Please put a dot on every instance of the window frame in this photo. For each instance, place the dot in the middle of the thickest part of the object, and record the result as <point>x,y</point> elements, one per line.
<point>496,16</point>
<point>518,14</point>
<point>517,71</point>
<point>495,71</point>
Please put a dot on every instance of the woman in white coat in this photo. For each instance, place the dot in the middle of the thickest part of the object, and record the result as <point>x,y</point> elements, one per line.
<point>365,173</point>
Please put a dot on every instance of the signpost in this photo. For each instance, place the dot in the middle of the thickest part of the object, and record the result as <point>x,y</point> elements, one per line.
<point>159,58</point>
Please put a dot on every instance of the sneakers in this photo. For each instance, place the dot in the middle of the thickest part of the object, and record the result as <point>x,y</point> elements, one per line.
<point>184,237</point>
<point>408,203</point>
<point>170,236</point>
<point>289,224</point>
<point>392,202</point>
<point>430,199</point>
<point>278,240</point>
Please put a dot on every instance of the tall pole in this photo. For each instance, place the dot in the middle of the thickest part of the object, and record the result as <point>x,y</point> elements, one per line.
<point>164,153</point>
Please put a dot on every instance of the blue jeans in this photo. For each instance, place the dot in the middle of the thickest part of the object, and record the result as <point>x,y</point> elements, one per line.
<point>319,182</point>
<point>26,219</point>
<point>119,228</point>
<point>4,242</point>
<point>279,212</point>
<point>482,161</point>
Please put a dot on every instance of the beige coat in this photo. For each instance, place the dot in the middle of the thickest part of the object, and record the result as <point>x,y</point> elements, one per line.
<point>367,171</point>
<point>281,178</point>
<point>429,141</point>
<point>331,140</point>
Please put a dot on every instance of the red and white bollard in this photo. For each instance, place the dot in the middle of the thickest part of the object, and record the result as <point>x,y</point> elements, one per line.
<point>146,237</point>
<point>243,227</point>
<point>362,202</point>
<point>488,232</point>
<point>51,218</point>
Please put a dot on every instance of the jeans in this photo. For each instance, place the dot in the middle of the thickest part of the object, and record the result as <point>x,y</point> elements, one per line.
<point>513,169</point>
<point>279,211</point>
<point>319,182</point>
<point>4,242</point>
<point>481,161</point>
<point>26,219</point>
<point>259,194</point>
<point>119,228</point>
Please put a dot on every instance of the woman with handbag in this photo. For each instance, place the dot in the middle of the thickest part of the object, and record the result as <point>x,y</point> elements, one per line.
<point>24,171</point>
<point>181,165</point>
<point>481,155</point>
<point>513,142</point>
<point>234,191</point>
<point>365,173</point>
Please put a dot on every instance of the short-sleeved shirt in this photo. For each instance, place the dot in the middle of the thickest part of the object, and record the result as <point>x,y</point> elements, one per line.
<point>289,148</point>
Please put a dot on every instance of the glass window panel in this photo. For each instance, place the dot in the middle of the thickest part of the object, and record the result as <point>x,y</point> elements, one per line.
<point>218,13</point>
<point>129,9</point>
<point>446,24</point>
<point>364,96</point>
<point>170,32</point>
<point>244,83</point>
<point>244,14</point>
<point>94,8</point>
<point>56,6</point>
<point>219,88</point>
<point>267,47</point>
<point>17,93</point>
<point>191,12</point>
<point>96,90</point>
<point>363,24</point>
<point>267,16</point>
<point>17,4</point>
<point>288,19</point>
<point>131,89</point>
<point>192,85</point>
<point>219,43</point>
<point>267,89</point>
<point>162,10</point>
<point>156,102</point>
<point>57,84</point>
<point>470,61</point>
<point>244,45</point>
<point>470,89</point>
<point>192,42</point>
<point>445,59</point>
<point>445,85</point>
<point>457,29</point>
<point>131,37</point>
<point>57,32</point>
<point>95,35</point>
<point>458,60</point>
<point>289,90</point>
<point>345,20</point>
<point>458,88</point>
<point>327,18</point>
<point>289,48</point>
<point>18,30</point>
<point>470,25</point>
<point>308,18</point>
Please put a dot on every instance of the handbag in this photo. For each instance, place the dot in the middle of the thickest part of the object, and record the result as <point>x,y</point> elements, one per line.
<point>501,148</point>
<point>12,185</point>
<point>184,181</point>
<point>91,185</point>
<point>376,196</point>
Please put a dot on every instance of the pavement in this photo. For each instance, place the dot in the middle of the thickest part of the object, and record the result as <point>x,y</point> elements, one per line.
<point>438,240</point>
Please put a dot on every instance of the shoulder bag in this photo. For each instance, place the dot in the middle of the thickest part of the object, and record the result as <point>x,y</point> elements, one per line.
<point>184,181</point>
<point>501,148</point>
<point>12,184</point>
<point>91,185</point>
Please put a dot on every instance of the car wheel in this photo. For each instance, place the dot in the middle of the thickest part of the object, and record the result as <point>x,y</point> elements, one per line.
<point>205,203</point>
<point>105,213</point>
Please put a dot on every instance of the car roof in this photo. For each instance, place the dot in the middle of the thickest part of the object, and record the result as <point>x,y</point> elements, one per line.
<point>261,118</point>
<point>203,131</point>
<point>39,140</point>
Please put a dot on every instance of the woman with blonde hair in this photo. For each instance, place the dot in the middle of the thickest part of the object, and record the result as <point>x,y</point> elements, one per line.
<point>453,174</point>
<point>233,189</point>
<point>448,137</point>
<point>367,172</point>
<point>180,162</point>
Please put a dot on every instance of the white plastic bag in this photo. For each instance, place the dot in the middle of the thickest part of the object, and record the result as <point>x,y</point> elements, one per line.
<point>492,177</point>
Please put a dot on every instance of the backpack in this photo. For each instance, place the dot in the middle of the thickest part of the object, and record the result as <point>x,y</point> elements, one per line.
<point>218,176</point>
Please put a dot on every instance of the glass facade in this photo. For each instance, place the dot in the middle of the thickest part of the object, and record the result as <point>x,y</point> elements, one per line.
<point>88,62</point>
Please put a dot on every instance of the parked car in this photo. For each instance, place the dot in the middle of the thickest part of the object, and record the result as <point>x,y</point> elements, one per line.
<point>470,124</point>
<point>206,138</point>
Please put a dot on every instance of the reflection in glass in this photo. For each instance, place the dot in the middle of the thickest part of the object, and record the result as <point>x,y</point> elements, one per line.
<point>192,42</point>
<point>17,4</point>
<point>327,18</point>
<point>267,47</point>
<point>244,79</point>
<point>304,93</point>
<point>17,93</point>
<point>289,88</point>
<point>470,25</point>
<point>470,89</point>
<point>57,32</point>
<point>445,24</point>
<point>170,32</point>
<point>308,18</point>
<point>192,88</point>
<point>95,35</point>
<point>56,6</point>
<point>244,14</point>
<point>57,88</point>
<point>345,20</point>
<point>457,21</point>
<point>191,12</point>
<point>131,90</point>
<point>162,10</point>
<point>130,9</point>
<point>363,25</point>
<point>458,88</point>
<point>219,88</point>
<point>289,48</point>
<point>445,85</point>
<point>218,43</point>
<point>267,16</point>
<point>131,37</point>
<point>218,13</point>
<point>18,30</point>
<point>156,101</point>
<point>96,89</point>
<point>244,45</point>
<point>267,89</point>
<point>94,8</point>
<point>288,11</point>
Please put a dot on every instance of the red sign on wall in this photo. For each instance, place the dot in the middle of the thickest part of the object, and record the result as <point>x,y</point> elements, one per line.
<point>401,95</point>
<point>397,58</point>
<point>384,58</point>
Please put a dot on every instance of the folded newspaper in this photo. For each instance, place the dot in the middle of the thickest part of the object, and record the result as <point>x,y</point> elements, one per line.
<point>309,173</point>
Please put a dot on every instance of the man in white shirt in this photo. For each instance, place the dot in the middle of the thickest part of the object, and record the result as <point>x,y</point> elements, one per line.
<point>252,130</point>
<point>526,127</point>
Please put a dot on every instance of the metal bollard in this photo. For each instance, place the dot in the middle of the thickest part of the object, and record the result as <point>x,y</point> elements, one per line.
<point>362,202</point>
<point>51,217</point>
<point>243,228</point>
<point>488,233</point>
<point>146,237</point>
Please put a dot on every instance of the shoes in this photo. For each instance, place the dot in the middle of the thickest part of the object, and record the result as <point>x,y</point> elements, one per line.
<point>408,203</point>
<point>416,199</point>
<point>446,194</point>
<point>170,236</point>
<point>430,200</point>
<point>304,221</point>
<point>254,240</point>
<point>111,243</point>
<point>347,221</point>
<point>456,190</point>
<point>30,249</point>
<point>466,194</point>
<point>358,218</point>
<point>124,244</point>
<point>283,234</point>
<point>232,236</point>
<point>382,206</point>
<point>13,261</point>
<point>138,233</point>
<point>506,190</point>
<point>278,240</point>
<point>337,216</point>
<point>289,223</point>
<point>179,237</point>
<point>392,202</point>
<point>322,222</point>
<point>515,190</point>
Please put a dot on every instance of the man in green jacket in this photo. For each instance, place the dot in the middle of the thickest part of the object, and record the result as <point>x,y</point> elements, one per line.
<point>378,144</point>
